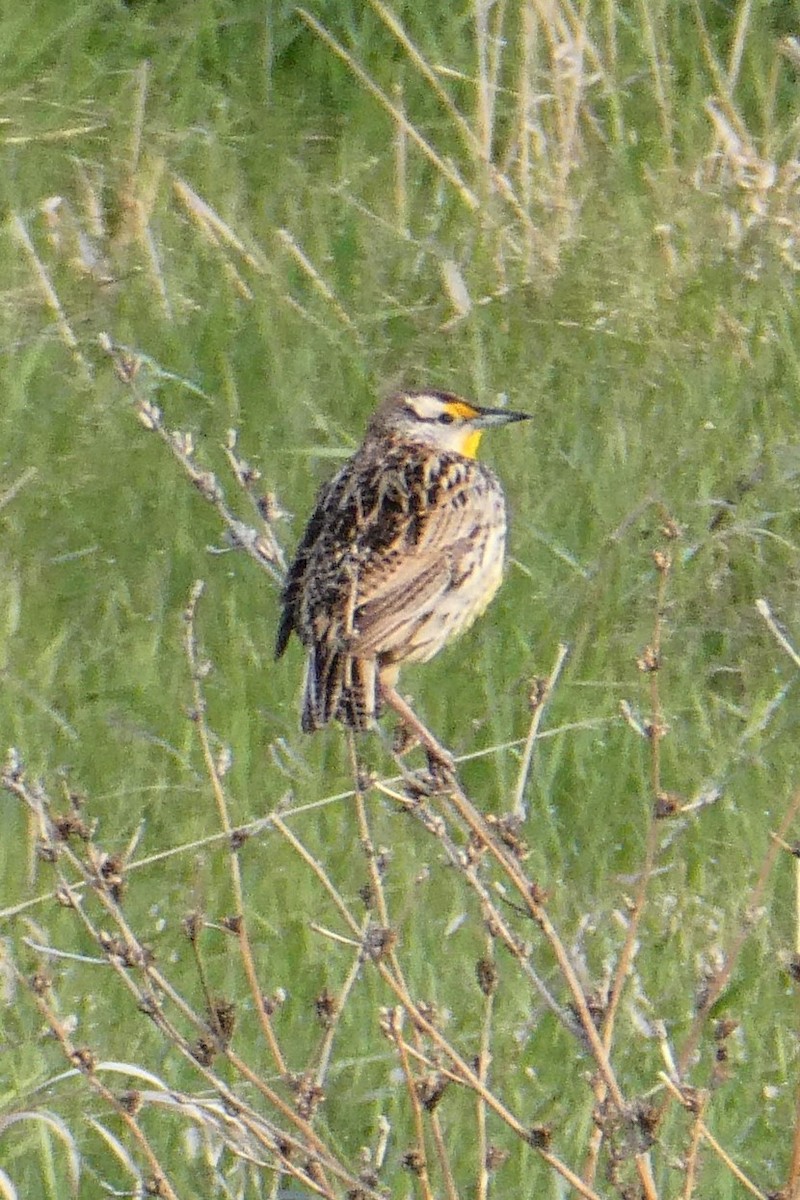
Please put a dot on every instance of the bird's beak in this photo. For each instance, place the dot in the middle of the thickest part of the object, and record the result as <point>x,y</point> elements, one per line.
<point>487,417</point>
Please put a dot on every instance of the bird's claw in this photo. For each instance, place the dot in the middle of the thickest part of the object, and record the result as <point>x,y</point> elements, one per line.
<point>442,766</point>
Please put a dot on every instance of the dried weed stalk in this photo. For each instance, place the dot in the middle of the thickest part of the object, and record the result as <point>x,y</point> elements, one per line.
<point>266,1118</point>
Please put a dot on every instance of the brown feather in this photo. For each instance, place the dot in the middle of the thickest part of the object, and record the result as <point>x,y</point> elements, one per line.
<point>384,571</point>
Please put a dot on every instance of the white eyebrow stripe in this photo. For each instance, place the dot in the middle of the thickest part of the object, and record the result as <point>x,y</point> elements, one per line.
<point>428,408</point>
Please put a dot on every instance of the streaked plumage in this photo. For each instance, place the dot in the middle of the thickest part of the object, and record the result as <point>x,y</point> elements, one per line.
<point>403,551</point>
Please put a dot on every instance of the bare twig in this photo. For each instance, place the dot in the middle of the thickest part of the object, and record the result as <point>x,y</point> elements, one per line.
<point>487,981</point>
<point>297,1148</point>
<point>260,545</point>
<point>241,929</point>
<point>539,698</point>
<point>38,987</point>
<point>717,984</point>
<point>675,1092</point>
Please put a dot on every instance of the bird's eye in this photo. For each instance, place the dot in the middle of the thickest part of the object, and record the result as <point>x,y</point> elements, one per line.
<point>446,418</point>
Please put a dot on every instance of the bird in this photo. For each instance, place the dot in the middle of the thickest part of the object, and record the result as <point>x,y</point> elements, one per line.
<point>403,550</point>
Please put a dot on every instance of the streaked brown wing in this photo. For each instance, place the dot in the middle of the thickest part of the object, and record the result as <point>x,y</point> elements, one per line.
<point>395,595</point>
<point>295,585</point>
<point>384,542</point>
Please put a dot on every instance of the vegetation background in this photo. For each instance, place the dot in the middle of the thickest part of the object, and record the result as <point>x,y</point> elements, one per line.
<point>592,210</point>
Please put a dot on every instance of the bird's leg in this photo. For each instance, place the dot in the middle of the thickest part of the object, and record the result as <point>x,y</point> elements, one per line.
<point>438,757</point>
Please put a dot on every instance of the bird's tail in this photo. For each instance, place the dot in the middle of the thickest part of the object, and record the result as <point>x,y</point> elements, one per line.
<point>341,687</point>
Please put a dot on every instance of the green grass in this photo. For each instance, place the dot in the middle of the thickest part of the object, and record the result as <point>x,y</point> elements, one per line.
<point>634,287</point>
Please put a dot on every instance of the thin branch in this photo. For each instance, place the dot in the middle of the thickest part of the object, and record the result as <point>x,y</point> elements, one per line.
<point>676,1094</point>
<point>260,545</point>
<point>540,695</point>
<point>83,1058</point>
<point>720,980</point>
<point>234,841</point>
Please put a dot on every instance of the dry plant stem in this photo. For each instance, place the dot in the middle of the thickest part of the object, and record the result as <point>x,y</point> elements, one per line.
<point>318,870</point>
<point>212,226</point>
<point>439,1138</point>
<point>763,609</point>
<point>440,1141</point>
<point>651,844</point>
<point>720,981</point>
<point>494,58</point>
<point>569,93</point>
<point>262,547</point>
<point>690,1158</point>
<point>477,825</point>
<point>16,487</point>
<point>564,30</point>
<point>276,1141</point>
<point>379,896</point>
<point>474,820</point>
<point>421,1165</point>
<point>519,808</point>
<point>149,860</point>
<point>326,1048</point>
<point>676,1094</point>
<point>469,1078</point>
<point>490,912</point>
<point>458,799</point>
<point>484,92</point>
<point>410,719</point>
<point>400,143</point>
<point>306,1142</point>
<point>82,1058</point>
<point>245,478</point>
<point>524,114</point>
<point>158,984</point>
<point>792,1188</point>
<point>428,74</point>
<point>793,1179</point>
<point>50,295</point>
<point>482,1147</point>
<point>245,948</point>
<point>462,1071</point>
<point>722,83</point>
<point>658,75</point>
<point>446,171</point>
<point>213,1018</point>
<point>737,49</point>
<point>304,262</point>
<point>137,125</point>
<point>478,145</point>
<point>734,1169</point>
<point>367,845</point>
<point>260,824</point>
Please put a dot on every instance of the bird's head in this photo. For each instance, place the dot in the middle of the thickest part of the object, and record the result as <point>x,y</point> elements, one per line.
<point>438,419</point>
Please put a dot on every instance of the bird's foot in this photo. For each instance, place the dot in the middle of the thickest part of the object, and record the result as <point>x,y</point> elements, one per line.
<point>441,764</point>
<point>441,767</point>
<point>404,740</point>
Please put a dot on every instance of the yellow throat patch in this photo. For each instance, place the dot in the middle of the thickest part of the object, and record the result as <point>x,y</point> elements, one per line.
<point>471,437</point>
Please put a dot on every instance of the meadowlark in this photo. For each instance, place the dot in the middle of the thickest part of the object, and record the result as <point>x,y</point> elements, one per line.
<point>404,549</point>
